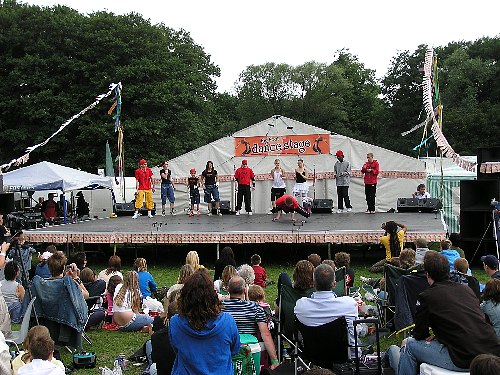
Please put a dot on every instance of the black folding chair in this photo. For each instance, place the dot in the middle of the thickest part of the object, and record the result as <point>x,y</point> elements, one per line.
<point>341,284</point>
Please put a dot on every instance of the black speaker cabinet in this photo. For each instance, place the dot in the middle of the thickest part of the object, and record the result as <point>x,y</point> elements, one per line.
<point>419,205</point>
<point>7,204</point>
<point>225,207</point>
<point>128,209</point>
<point>322,206</point>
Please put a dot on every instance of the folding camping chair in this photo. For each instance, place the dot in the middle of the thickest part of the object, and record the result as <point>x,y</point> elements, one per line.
<point>392,274</point>
<point>340,279</point>
<point>287,299</point>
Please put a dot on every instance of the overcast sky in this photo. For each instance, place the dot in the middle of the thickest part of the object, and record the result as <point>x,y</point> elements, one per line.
<point>240,33</point>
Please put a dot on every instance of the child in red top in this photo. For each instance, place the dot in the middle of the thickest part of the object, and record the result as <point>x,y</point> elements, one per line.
<point>260,272</point>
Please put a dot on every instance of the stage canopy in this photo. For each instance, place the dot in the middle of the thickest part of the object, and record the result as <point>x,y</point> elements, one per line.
<point>50,176</point>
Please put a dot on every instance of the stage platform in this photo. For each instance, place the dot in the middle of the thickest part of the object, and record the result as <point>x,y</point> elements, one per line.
<point>348,228</point>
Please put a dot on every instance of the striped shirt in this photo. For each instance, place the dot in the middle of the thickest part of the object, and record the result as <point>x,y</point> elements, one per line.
<point>246,314</point>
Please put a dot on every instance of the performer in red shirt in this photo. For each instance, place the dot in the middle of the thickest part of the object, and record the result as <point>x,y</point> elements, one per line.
<point>243,176</point>
<point>145,188</point>
<point>371,170</point>
<point>287,203</point>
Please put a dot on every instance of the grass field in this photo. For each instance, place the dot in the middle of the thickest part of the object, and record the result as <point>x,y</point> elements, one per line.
<point>108,345</point>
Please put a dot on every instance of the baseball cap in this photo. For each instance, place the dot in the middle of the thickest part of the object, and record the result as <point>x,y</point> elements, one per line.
<point>244,162</point>
<point>192,170</point>
<point>142,162</point>
<point>46,255</point>
<point>491,261</point>
<point>339,153</point>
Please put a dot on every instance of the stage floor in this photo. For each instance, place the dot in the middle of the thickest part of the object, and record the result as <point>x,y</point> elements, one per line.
<point>227,229</point>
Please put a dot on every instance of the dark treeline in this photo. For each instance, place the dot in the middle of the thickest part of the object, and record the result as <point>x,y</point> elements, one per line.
<point>54,61</point>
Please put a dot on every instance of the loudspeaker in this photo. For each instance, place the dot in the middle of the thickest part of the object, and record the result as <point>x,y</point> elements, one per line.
<point>419,205</point>
<point>7,204</point>
<point>128,209</point>
<point>225,207</point>
<point>407,205</point>
<point>322,206</point>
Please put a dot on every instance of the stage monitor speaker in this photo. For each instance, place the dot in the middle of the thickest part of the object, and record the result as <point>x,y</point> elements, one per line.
<point>128,209</point>
<point>225,208</point>
<point>322,206</point>
<point>419,205</point>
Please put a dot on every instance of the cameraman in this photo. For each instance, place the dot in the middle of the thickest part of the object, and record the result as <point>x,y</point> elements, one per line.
<point>3,229</point>
<point>21,251</point>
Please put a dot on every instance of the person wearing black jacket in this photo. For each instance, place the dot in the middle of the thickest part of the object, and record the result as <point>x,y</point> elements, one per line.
<point>451,310</point>
<point>226,259</point>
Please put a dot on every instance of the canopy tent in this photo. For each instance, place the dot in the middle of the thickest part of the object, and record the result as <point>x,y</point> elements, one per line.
<point>50,176</point>
<point>289,140</point>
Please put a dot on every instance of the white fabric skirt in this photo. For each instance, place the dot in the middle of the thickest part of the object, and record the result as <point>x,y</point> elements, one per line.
<point>301,188</point>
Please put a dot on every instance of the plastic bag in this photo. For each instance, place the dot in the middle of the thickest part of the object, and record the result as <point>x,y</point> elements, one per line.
<point>117,370</point>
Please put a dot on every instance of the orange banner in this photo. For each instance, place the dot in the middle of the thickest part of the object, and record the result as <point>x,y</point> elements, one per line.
<point>310,144</point>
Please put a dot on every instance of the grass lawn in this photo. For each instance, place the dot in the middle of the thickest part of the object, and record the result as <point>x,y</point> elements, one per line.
<point>108,345</point>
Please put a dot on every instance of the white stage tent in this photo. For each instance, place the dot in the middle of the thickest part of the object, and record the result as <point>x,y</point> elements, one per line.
<point>289,140</point>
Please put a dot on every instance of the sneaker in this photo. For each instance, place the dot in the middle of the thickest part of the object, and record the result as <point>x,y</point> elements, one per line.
<point>210,213</point>
<point>150,215</point>
<point>237,213</point>
<point>136,215</point>
<point>191,214</point>
<point>162,212</point>
<point>250,213</point>
<point>340,211</point>
<point>349,209</point>
<point>172,212</point>
<point>270,212</point>
<point>364,279</point>
<point>219,213</point>
<point>368,212</point>
<point>198,213</point>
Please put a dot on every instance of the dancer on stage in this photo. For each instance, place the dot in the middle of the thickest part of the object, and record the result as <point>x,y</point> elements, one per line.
<point>210,187</point>
<point>287,203</point>
<point>167,189</point>
<point>278,188</point>
<point>193,183</point>
<point>301,187</point>
<point>342,174</point>
<point>145,188</point>
<point>243,176</point>
<point>370,170</point>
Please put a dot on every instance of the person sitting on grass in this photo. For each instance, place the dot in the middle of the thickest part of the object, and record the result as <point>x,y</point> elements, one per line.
<point>162,354</point>
<point>193,259</point>
<point>259,271</point>
<point>39,356</point>
<point>221,285</point>
<point>448,252</point>
<point>460,275</point>
<point>126,305</point>
<point>42,269</point>
<point>247,273</point>
<point>110,292</point>
<point>392,241</point>
<point>485,364</point>
<point>12,291</point>
<point>343,259</point>
<point>315,259</point>
<point>147,285</point>
<point>185,272</point>
<point>420,250</point>
<point>114,266</point>
<point>491,303</point>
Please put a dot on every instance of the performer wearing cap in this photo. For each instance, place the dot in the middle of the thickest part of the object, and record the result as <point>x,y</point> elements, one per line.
<point>287,203</point>
<point>145,188</point>
<point>243,176</point>
<point>193,183</point>
<point>342,174</point>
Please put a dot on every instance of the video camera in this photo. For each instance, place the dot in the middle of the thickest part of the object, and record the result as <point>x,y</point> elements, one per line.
<point>15,221</point>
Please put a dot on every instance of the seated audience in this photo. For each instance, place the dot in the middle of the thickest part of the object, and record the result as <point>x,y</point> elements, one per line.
<point>110,292</point>
<point>330,262</point>
<point>249,316</point>
<point>96,289</point>
<point>406,260</point>
<point>58,270</point>
<point>420,250</point>
<point>126,305</point>
<point>455,240</point>
<point>42,269</point>
<point>392,241</point>
<point>25,356</point>
<point>421,193</point>
<point>491,303</point>
<point>193,259</point>
<point>259,271</point>
<point>247,273</point>
<point>226,259</point>
<point>485,364</point>
<point>257,294</point>
<point>324,306</point>
<point>457,338</point>
<point>459,275</point>
<point>203,338</point>
<point>302,279</point>
<point>5,358</point>
<point>12,291</point>
<point>41,351</point>
<point>162,355</point>
<point>451,255</point>
<point>114,266</point>
<point>81,260</point>
<point>147,286</point>
<point>343,259</point>
<point>315,259</point>
<point>490,266</point>
<point>186,271</point>
<point>221,286</point>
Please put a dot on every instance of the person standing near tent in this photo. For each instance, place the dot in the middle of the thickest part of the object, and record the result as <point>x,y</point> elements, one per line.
<point>211,187</point>
<point>167,189</point>
<point>342,174</point>
<point>243,176</point>
<point>50,210</point>
<point>145,188</point>
<point>278,188</point>
<point>370,170</point>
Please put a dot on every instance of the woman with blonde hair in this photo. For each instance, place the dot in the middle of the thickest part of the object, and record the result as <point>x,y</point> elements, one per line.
<point>193,259</point>
<point>147,286</point>
<point>25,356</point>
<point>220,285</point>
<point>126,305</point>
<point>186,271</point>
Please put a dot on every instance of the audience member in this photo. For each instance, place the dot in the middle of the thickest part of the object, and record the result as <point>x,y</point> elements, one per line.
<point>81,260</point>
<point>315,259</point>
<point>247,273</point>
<point>22,253</point>
<point>147,286</point>
<point>4,311</point>
<point>249,316</point>
<point>203,338</point>
<point>459,275</point>
<point>343,259</point>
<point>491,303</point>
<point>392,241</point>
<point>25,357</point>
<point>302,279</point>
<point>226,258</point>
<point>114,266</point>
<point>41,351</point>
<point>12,291</point>
<point>485,364</point>
<point>221,285</point>
<point>96,289</point>
<point>193,259</point>
<point>162,353</point>
<point>110,292</point>
<point>3,229</point>
<point>330,262</point>
<point>324,306</point>
<point>451,255</point>
<point>42,269</point>
<point>455,240</point>
<point>457,338</point>
<point>126,304</point>
<point>420,250</point>
<point>58,269</point>
<point>406,260</point>
<point>259,271</point>
<point>490,266</point>
<point>257,294</point>
<point>5,366</point>
<point>185,272</point>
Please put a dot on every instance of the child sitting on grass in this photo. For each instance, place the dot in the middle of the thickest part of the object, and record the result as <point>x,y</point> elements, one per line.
<point>260,272</point>
<point>344,260</point>
<point>110,292</point>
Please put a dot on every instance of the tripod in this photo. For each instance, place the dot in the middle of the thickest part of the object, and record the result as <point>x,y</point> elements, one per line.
<point>495,230</point>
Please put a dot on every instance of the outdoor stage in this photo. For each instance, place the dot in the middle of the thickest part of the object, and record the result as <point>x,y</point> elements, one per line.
<point>347,228</point>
